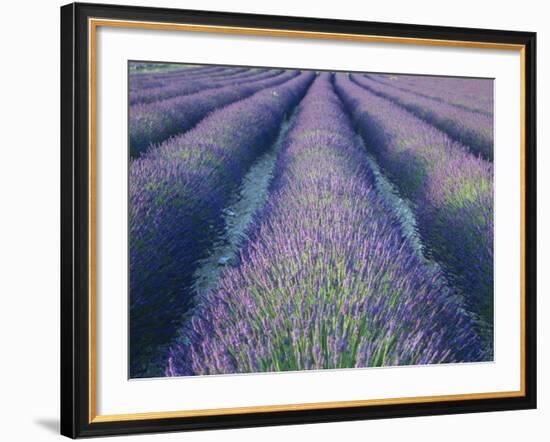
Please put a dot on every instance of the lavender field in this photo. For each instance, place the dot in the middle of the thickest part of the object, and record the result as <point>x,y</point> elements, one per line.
<point>284,220</point>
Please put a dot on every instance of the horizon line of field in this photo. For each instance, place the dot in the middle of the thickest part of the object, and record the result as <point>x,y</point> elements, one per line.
<point>478,143</point>
<point>244,99</point>
<point>202,68</point>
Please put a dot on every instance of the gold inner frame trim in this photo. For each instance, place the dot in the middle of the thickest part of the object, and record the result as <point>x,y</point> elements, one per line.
<point>93,24</point>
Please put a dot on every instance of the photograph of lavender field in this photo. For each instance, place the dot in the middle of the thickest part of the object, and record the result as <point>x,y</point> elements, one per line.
<point>287,220</point>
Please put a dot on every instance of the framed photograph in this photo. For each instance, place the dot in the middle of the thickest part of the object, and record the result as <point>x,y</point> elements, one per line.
<point>275,220</point>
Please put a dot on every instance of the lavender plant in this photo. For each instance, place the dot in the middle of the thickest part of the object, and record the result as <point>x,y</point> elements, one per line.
<point>451,192</point>
<point>327,279</point>
<point>176,194</point>
<point>154,122</point>
<point>470,128</point>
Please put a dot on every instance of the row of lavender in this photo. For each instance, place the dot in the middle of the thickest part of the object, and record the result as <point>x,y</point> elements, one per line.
<point>474,129</point>
<point>177,192</point>
<point>326,278</point>
<point>450,189</point>
<point>185,86</point>
<point>471,94</point>
<point>154,122</point>
<point>140,81</point>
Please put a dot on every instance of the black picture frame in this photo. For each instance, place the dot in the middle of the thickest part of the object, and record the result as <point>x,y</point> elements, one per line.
<point>75,219</point>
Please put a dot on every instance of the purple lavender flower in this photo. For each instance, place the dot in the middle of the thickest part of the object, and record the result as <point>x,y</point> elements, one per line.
<point>468,93</point>
<point>150,123</point>
<point>451,192</point>
<point>326,279</point>
<point>186,86</point>
<point>148,80</point>
<point>176,194</point>
<point>473,129</point>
